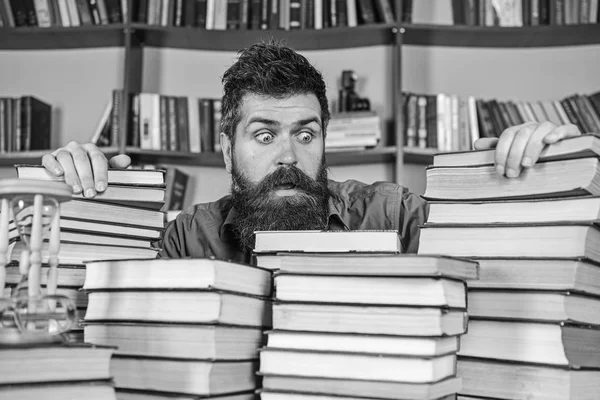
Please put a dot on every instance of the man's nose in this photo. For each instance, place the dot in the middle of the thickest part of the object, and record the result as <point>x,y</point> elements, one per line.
<point>287,152</point>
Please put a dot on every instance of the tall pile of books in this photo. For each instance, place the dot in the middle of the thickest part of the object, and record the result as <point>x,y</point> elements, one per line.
<point>354,319</point>
<point>184,328</point>
<point>120,223</point>
<point>534,328</point>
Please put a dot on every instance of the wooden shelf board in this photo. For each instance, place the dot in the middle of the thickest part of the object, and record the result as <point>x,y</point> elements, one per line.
<point>234,40</point>
<point>35,157</point>
<point>419,156</point>
<point>371,156</point>
<point>509,37</point>
<point>29,38</point>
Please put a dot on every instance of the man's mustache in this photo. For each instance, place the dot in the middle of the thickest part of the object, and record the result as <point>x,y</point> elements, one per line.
<point>291,175</point>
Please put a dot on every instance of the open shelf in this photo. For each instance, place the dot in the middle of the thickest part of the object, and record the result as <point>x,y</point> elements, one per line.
<point>370,156</point>
<point>234,40</point>
<point>31,38</point>
<point>35,157</point>
<point>511,37</point>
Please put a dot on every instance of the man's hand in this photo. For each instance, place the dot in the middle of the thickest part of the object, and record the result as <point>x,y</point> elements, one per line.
<point>84,167</point>
<point>520,146</point>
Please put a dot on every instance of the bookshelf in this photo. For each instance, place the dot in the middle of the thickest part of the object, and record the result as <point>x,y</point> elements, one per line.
<point>135,39</point>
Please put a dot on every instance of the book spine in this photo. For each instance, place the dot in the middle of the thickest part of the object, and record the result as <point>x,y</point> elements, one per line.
<point>216,128</point>
<point>42,12</point>
<point>134,137</point>
<point>173,134</point>
<point>233,15</point>
<point>206,125</point>
<point>84,12</point>
<point>115,129</point>
<point>94,12</point>
<point>3,115</point>
<point>163,123</point>
<point>183,132</point>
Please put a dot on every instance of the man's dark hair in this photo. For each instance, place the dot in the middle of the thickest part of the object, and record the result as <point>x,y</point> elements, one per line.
<point>270,69</point>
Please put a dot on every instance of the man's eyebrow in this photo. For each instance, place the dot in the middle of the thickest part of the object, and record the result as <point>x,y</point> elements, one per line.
<point>262,120</point>
<point>307,121</point>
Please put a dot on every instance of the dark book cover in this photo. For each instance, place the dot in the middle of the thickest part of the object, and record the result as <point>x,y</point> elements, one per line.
<point>115,117</point>
<point>55,19</point>
<point>526,12</point>
<point>484,119</point>
<point>113,8</point>
<point>19,11</point>
<point>513,111</point>
<point>134,121</point>
<point>206,124</point>
<point>431,121</point>
<point>595,100</point>
<point>164,122</point>
<point>459,12</point>
<point>17,125</point>
<point>295,14</point>
<point>470,12</point>
<point>189,13</point>
<point>264,14</point>
<point>557,12</point>
<point>366,11</point>
<point>495,117</point>
<point>142,10</point>
<point>183,131</point>
<point>544,13</point>
<point>275,14</point>
<point>31,13</point>
<point>244,14</point>
<point>37,124</point>
<point>407,10</point>
<point>85,15</point>
<point>571,114</point>
<point>586,114</point>
<point>201,13</point>
<point>3,124</point>
<point>94,11</point>
<point>178,13</point>
<point>233,14</point>
<point>177,183</point>
<point>506,117</point>
<point>342,12</point>
<point>173,135</point>
<point>307,19</point>
<point>9,123</point>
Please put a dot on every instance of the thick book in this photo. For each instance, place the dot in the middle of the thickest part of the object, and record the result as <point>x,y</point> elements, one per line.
<point>150,197</point>
<point>200,307</point>
<point>288,395</point>
<point>561,178</point>
<point>533,342</point>
<point>138,177</point>
<point>584,208</point>
<point>194,377</point>
<point>400,291</point>
<point>128,394</point>
<point>79,253</point>
<point>68,276</point>
<point>48,363</point>
<point>89,390</point>
<point>557,274</point>
<point>536,241</point>
<point>362,343</point>
<point>535,304</point>
<point>378,320</point>
<point>576,147</point>
<point>310,241</point>
<point>507,380</point>
<point>189,341</point>
<point>185,273</point>
<point>112,214</point>
<point>354,264</point>
<point>363,388</point>
<point>329,364</point>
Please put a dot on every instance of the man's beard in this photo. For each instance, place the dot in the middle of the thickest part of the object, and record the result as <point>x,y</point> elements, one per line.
<point>259,208</point>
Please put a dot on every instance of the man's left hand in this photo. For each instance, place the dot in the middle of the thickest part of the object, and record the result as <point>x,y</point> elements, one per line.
<point>520,146</point>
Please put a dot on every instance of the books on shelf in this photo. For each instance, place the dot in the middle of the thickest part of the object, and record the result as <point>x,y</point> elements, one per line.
<point>449,123</point>
<point>25,124</point>
<point>358,129</point>
<point>327,241</point>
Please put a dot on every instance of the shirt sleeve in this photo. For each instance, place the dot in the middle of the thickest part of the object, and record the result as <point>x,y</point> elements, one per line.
<point>413,213</point>
<point>173,245</point>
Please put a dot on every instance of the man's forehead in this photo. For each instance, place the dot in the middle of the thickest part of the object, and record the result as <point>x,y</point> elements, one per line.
<point>256,104</point>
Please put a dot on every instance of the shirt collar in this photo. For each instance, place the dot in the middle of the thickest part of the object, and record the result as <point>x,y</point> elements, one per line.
<point>335,221</point>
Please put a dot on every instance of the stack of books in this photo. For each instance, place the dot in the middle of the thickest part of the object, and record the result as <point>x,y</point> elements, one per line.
<point>354,319</point>
<point>534,328</point>
<point>55,372</point>
<point>184,328</point>
<point>123,222</point>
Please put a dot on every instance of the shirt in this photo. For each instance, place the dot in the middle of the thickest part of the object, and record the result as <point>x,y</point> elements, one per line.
<point>206,229</point>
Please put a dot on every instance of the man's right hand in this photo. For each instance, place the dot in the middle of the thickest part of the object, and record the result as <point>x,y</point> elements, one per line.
<point>84,167</point>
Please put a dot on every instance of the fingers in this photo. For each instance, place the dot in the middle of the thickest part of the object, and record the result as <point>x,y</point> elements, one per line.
<point>504,145</point>
<point>120,161</point>
<point>99,165</point>
<point>562,132</point>
<point>64,158</point>
<point>485,143</point>
<point>82,170</point>
<point>51,164</point>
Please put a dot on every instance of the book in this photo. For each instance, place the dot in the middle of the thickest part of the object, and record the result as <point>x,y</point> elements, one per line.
<point>68,276</point>
<point>384,320</point>
<point>173,375</point>
<point>125,394</point>
<point>130,176</point>
<point>79,253</point>
<point>177,274</point>
<point>112,214</point>
<point>178,306</point>
<point>403,291</point>
<point>201,342</point>
<point>327,241</point>
<point>533,342</point>
<point>580,276</point>
<point>549,179</point>
<point>368,344</point>
<point>362,388</point>
<point>89,390</point>
<point>576,147</point>
<point>47,363</point>
<point>356,264</point>
<point>536,304</point>
<point>177,183</point>
<point>506,380</point>
<point>545,241</point>
<point>585,208</point>
<point>287,395</point>
<point>321,364</point>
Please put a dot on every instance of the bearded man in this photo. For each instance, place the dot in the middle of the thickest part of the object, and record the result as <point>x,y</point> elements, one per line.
<point>275,115</point>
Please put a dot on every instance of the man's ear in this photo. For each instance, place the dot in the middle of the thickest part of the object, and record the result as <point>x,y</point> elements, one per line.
<point>227,149</point>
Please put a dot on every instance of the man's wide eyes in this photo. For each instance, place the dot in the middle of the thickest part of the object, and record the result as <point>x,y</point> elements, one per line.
<point>265,137</point>
<point>305,137</point>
